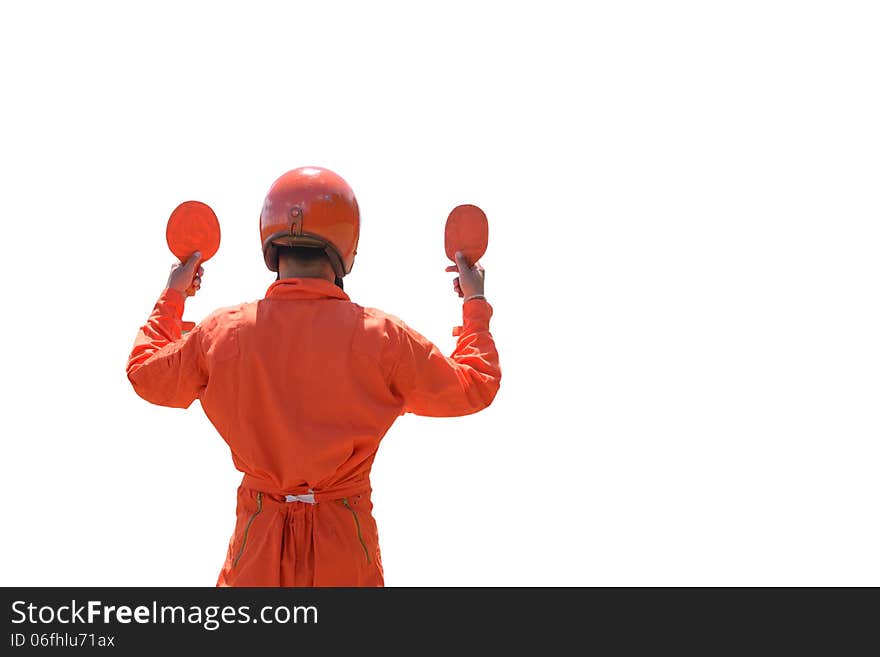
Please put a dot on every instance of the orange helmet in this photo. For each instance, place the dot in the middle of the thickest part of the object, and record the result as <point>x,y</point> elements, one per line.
<point>312,207</point>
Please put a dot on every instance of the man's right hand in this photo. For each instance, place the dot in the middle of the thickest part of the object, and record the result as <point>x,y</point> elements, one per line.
<point>469,281</point>
<point>184,276</point>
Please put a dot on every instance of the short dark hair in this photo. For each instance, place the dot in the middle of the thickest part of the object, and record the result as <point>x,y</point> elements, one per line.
<point>303,254</point>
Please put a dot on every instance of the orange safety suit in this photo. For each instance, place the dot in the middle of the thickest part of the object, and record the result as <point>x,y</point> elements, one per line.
<point>302,385</point>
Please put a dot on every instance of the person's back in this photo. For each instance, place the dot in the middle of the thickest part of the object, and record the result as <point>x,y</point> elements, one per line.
<point>302,385</point>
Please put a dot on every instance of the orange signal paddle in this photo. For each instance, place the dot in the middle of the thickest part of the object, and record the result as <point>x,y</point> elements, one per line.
<point>467,230</point>
<point>192,227</point>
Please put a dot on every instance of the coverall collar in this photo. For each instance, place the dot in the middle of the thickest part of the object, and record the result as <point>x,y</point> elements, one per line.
<point>305,288</point>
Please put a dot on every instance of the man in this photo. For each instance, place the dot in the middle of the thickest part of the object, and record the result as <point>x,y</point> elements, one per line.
<point>304,383</point>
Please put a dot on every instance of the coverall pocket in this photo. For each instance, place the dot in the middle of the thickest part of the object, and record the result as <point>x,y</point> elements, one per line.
<point>242,543</point>
<point>357,525</point>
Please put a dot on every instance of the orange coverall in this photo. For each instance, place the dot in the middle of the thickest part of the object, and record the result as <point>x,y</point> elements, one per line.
<point>302,385</point>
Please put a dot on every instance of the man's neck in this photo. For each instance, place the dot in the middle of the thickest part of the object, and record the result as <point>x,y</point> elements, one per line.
<point>301,272</point>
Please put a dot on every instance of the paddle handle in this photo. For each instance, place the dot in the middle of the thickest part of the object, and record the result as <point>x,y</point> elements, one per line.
<point>191,291</point>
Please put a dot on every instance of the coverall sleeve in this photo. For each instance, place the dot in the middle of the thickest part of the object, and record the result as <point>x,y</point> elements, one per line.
<point>432,384</point>
<point>165,367</point>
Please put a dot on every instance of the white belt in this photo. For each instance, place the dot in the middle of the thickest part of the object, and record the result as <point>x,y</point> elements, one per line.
<point>308,498</point>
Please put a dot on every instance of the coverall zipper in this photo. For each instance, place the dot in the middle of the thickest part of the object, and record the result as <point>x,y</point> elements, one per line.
<point>357,524</point>
<point>247,527</point>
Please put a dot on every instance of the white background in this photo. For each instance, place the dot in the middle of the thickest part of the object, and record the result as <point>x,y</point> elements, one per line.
<point>683,261</point>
